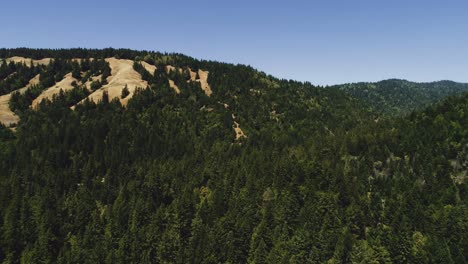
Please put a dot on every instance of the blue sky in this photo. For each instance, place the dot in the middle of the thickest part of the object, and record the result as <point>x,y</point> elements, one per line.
<point>324,42</point>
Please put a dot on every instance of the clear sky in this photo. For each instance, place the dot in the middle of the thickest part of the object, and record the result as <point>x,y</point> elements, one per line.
<point>324,42</point>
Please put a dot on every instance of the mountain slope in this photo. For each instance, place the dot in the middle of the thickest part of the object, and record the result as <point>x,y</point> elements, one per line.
<point>121,74</point>
<point>395,97</point>
<point>7,116</point>
<point>260,170</point>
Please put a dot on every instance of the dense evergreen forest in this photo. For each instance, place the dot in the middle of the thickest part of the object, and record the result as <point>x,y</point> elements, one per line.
<point>322,174</point>
<point>398,97</point>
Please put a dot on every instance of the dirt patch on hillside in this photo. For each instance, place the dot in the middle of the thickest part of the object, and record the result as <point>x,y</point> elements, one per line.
<point>170,68</point>
<point>148,67</point>
<point>200,76</point>
<point>28,61</point>
<point>33,81</point>
<point>65,85</point>
<point>193,75</point>
<point>8,117</point>
<point>174,86</point>
<point>204,82</point>
<point>239,133</point>
<point>122,74</point>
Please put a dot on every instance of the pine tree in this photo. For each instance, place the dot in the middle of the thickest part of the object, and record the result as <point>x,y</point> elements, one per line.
<point>125,92</point>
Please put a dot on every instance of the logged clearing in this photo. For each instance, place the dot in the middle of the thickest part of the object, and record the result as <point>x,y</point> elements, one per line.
<point>204,82</point>
<point>148,67</point>
<point>7,117</point>
<point>174,86</point>
<point>65,85</point>
<point>170,68</point>
<point>33,81</point>
<point>193,75</point>
<point>238,130</point>
<point>122,74</point>
<point>203,78</point>
<point>27,61</point>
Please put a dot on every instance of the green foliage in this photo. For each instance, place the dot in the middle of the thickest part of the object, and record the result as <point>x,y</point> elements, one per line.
<point>76,70</point>
<point>396,97</point>
<point>125,92</point>
<point>317,180</point>
<point>95,85</point>
<point>15,76</point>
<point>20,102</point>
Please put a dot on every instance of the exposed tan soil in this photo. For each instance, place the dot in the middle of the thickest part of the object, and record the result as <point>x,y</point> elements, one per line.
<point>65,85</point>
<point>27,61</point>
<point>8,117</point>
<point>122,73</point>
<point>238,130</point>
<point>150,68</point>
<point>204,82</point>
<point>174,86</point>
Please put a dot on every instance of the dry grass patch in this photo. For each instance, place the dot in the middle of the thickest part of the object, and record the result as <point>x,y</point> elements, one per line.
<point>8,117</point>
<point>28,61</point>
<point>122,74</point>
<point>65,85</point>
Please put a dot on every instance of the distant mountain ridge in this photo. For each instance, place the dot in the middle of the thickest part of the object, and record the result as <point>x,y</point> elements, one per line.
<point>395,96</point>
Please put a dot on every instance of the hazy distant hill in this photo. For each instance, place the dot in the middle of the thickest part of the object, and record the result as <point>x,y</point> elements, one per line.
<point>396,97</point>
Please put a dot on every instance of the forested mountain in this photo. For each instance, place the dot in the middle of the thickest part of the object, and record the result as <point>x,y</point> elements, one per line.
<point>120,156</point>
<point>396,97</point>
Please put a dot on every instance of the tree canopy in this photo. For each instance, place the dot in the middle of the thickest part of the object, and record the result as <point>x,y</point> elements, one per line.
<point>317,179</point>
